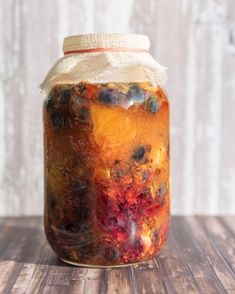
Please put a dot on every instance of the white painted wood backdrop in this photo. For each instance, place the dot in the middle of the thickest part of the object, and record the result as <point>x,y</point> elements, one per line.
<point>194,39</point>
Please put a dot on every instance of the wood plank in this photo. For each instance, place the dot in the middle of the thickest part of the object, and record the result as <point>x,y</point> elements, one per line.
<point>77,286</point>
<point>59,276</point>
<point>45,261</point>
<point>175,270</point>
<point>222,239</point>
<point>195,257</point>
<point>9,266</point>
<point>146,279</point>
<point>55,289</point>
<point>20,249</point>
<point>220,267</point>
<point>93,282</point>
<point>37,282</point>
<point>118,281</point>
<point>7,232</point>
<point>228,222</point>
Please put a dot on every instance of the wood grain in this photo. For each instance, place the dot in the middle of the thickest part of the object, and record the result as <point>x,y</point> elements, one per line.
<point>194,39</point>
<point>198,258</point>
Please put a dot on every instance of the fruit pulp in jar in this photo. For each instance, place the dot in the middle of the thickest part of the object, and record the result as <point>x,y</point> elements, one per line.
<point>106,172</point>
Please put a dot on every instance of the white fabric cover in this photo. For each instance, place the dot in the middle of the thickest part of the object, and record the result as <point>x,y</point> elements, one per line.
<point>102,67</point>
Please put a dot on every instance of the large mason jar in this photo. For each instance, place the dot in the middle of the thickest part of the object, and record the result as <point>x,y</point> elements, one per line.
<point>106,143</point>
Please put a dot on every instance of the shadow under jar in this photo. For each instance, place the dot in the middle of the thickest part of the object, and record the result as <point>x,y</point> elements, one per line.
<point>106,172</point>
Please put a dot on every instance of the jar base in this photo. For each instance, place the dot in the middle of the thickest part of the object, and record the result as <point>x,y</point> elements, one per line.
<point>103,266</point>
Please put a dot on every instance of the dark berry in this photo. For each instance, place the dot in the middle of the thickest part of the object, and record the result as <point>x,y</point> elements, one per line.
<point>49,102</point>
<point>52,201</point>
<point>57,121</point>
<point>65,96</point>
<point>82,87</point>
<point>112,253</point>
<point>60,120</point>
<point>85,248</point>
<point>137,244</point>
<point>135,93</point>
<point>138,153</point>
<point>81,213</point>
<point>113,221</point>
<point>153,105</point>
<point>83,228</point>
<point>79,228</point>
<point>108,97</point>
<point>65,224</point>
<point>84,114</point>
<point>76,226</point>
<point>79,189</point>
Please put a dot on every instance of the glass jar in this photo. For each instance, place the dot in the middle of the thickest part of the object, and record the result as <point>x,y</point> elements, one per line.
<point>106,148</point>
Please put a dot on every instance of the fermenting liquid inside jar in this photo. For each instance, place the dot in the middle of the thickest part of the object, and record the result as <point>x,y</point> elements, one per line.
<point>106,172</point>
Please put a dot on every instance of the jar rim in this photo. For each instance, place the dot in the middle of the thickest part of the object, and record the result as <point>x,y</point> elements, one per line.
<point>106,42</point>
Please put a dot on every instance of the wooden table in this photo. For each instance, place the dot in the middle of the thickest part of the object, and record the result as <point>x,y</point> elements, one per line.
<point>199,258</point>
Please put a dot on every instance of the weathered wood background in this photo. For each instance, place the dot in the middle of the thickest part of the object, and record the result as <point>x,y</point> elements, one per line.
<point>194,39</point>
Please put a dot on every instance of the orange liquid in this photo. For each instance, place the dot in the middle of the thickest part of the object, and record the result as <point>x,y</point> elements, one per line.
<point>106,172</point>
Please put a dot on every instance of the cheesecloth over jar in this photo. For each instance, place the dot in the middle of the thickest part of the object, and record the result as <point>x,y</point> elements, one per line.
<point>100,58</point>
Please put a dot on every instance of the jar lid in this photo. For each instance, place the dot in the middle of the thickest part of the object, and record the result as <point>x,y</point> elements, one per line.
<point>108,41</point>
